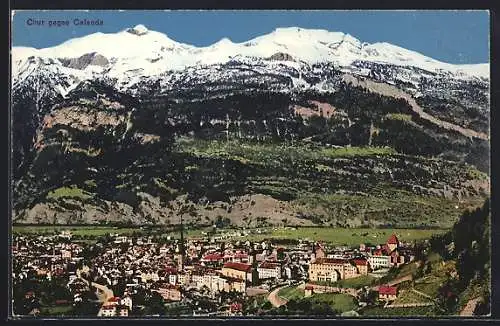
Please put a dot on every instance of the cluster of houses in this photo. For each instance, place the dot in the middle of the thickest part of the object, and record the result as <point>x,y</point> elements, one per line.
<point>116,307</point>
<point>45,256</point>
<point>331,267</point>
<point>201,265</point>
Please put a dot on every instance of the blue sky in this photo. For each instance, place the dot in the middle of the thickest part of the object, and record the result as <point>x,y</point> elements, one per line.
<point>449,36</point>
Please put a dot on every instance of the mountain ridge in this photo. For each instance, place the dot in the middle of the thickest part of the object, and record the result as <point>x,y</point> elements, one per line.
<point>321,46</point>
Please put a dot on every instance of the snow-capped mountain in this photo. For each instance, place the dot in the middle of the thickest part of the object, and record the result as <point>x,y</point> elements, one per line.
<point>137,53</point>
<point>104,112</point>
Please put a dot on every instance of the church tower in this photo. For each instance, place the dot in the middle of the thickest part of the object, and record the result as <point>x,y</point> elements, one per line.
<point>180,250</point>
<point>393,243</point>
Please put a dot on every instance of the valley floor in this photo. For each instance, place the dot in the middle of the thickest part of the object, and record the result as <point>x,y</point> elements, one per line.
<point>331,235</point>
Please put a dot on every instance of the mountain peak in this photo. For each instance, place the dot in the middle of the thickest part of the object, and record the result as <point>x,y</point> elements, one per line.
<point>224,41</point>
<point>138,30</point>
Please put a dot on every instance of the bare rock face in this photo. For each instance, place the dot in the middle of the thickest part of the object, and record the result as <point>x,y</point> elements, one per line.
<point>247,210</point>
<point>88,59</point>
<point>62,213</point>
<point>280,56</point>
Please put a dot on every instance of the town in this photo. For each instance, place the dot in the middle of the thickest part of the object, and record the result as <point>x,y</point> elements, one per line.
<point>126,276</point>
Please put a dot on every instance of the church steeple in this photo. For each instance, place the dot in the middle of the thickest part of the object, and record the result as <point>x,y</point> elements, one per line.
<point>182,237</point>
<point>179,251</point>
<point>253,257</point>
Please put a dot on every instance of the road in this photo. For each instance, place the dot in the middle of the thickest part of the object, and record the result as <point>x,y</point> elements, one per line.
<point>275,299</point>
<point>253,291</point>
<point>103,293</point>
<point>470,307</point>
<point>410,305</point>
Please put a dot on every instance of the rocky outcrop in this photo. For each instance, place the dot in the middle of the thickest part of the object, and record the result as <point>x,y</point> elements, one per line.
<point>280,56</point>
<point>88,59</point>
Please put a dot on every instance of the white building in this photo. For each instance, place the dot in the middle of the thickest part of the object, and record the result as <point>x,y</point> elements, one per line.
<point>121,239</point>
<point>377,262</point>
<point>269,270</point>
<point>127,301</point>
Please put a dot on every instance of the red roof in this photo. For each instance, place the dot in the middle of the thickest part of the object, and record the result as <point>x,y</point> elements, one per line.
<point>213,257</point>
<point>330,261</point>
<point>309,287</point>
<point>236,307</point>
<point>393,240</point>
<point>269,265</point>
<point>360,261</point>
<point>167,286</point>
<point>238,266</point>
<point>389,290</point>
<point>171,270</point>
<point>114,299</point>
<point>240,255</point>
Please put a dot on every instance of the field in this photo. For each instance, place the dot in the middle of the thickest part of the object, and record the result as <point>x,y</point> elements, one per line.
<point>338,301</point>
<point>91,231</point>
<point>344,236</point>
<point>291,292</point>
<point>333,236</point>
<point>355,282</point>
<point>96,231</point>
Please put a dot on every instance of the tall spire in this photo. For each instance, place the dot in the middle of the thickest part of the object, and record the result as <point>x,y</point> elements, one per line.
<point>182,238</point>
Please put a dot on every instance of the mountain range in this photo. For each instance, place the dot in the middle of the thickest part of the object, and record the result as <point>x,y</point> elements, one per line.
<point>132,126</point>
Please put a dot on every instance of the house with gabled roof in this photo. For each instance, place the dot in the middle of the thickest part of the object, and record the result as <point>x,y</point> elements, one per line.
<point>387,293</point>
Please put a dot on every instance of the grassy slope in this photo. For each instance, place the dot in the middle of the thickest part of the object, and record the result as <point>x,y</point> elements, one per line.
<point>291,292</point>
<point>356,282</point>
<point>408,296</point>
<point>338,301</point>
<point>70,192</point>
<point>398,312</point>
<point>340,187</point>
<point>323,187</point>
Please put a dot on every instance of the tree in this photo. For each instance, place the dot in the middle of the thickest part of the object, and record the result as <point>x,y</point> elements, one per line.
<point>155,304</point>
